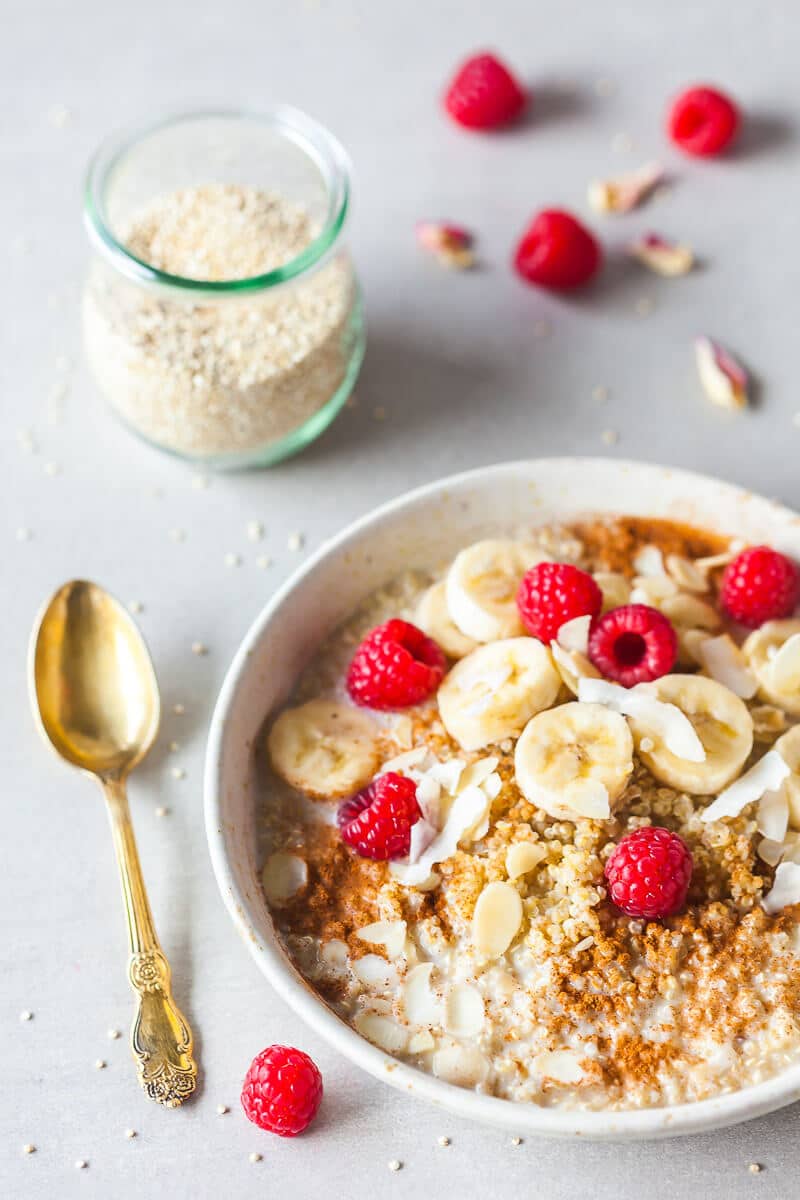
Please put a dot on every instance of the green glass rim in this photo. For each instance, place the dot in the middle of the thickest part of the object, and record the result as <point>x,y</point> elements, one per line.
<point>307,134</point>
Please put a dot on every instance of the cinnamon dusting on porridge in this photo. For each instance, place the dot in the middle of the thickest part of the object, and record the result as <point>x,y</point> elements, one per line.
<point>496,947</point>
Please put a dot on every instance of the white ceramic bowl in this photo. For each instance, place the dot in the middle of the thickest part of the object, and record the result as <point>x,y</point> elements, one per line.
<point>422,528</point>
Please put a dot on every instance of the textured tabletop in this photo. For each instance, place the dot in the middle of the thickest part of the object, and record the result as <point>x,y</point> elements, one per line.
<point>459,379</point>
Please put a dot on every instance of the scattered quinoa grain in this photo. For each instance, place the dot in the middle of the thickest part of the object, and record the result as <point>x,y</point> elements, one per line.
<point>114,1034</point>
<point>52,469</point>
<point>200,482</point>
<point>443,1141</point>
<point>516,1141</point>
<point>755,1168</point>
<point>394,1164</point>
<point>622,143</point>
<point>255,531</point>
<point>178,773</point>
<point>59,116</point>
<point>23,534</point>
<point>136,606</point>
<point>174,747</point>
<point>29,1148</point>
<point>295,541</point>
<point>233,560</point>
<point>162,811</point>
<point>100,1064</point>
<point>255,1157</point>
<point>263,561</point>
<point>130,1133</point>
<point>81,1164</point>
<point>222,1109</point>
<point>177,535</point>
<point>179,709</point>
<point>199,648</point>
<point>610,437</point>
<point>26,1015</point>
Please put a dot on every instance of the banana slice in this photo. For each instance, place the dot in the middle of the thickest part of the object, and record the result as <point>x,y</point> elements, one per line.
<point>324,748</point>
<point>481,587</point>
<point>773,655</point>
<point>721,721</point>
<point>788,746</point>
<point>494,691</point>
<point>574,761</point>
<point>433,617</point>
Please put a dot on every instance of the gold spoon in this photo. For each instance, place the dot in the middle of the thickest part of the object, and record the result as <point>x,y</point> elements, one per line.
<point>94,692</point>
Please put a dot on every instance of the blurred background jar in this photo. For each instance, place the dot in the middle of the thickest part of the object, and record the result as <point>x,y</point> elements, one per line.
<point>222,314</point>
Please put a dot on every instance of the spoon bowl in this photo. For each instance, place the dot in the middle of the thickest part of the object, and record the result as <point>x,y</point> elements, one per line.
<point>94,683</point>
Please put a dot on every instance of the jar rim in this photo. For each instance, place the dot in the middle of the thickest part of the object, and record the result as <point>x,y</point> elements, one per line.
<point>308,134</point>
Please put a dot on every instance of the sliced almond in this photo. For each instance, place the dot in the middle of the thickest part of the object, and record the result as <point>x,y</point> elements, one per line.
<point>421,1042</point>
<point>649,561</point>
<point>464,1013</point>
<point>381,1031</point>
<point>573,666</point>
<point>690,612</point>
<point>615,588</point>
<point>687,574</point>
<point>523,857</point>
<point>653,589</point>
<point>389,934</point>
<point>463,1066</point>
<point>725,662</point>
<point>374,971</point>
<point>421,1006</point>
<point>334,954</point>
<point>497,918</point>
<point>283,876</point>
<point>562,1066</point>
<point>574,634</point>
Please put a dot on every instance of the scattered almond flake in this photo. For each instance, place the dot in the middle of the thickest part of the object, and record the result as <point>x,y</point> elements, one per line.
<point>605,87</point>
<point>114,1034</point>
<point>649,561</point>
<point>449,244</point>
<point>254,530</point>
<point>572,666</point>
<point>497,918</point>
<point>177,772</point>
<point>233,560</point>
<point>135,606</point>
<point>222,1109</point>
<point>785,888</point>
<point>600,392</point>
<point>179,709</point>
<point>712,562</point>
<point>81,1164</point>
<point>29,1148</point>
<point>690,612</point>
<point>443,1141</point>
<point>661,255</point>
<point>200,482</point>
<point>100,1064</point>
<point>283,876</point>
<point>772,816</point>
<point>405,762</point>
<point>26,1015</point>
<point>622,143</point>
<point>52,469</point>
<point>255,1157</point>
<point>582,945</point>
<point>627,191</point>
<point>643,306</point>
<point>130,1133</point>
<point>574,634</point>
<point>766,776</point>
<point>724,380</point>
<point>542,329</point>
<point>610,437</point>
<point>464,1014</point>
<point>687,574</point>
<point>615,588</point>
<point>59,116</point>
<point>666,720</point>
<point>295,541</point>
<point>420,1005</point>
<point>177,535</point>
<point>162,811</point>
<point>379,413</point>
<point>381,1031</point>
<point>394,1164</point>
<point>199,648</point>
<point>522,857</point>
<point>725,662</point>
<point>23,534</point>
<point>389,934</point>
<point>468,808</point>
<point>770,852</point>
<point>560,1065</point>
<point>263,561</point>
<point>463,1066</point>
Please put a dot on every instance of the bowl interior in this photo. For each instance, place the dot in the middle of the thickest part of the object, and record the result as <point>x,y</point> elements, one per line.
<point>419,530</point>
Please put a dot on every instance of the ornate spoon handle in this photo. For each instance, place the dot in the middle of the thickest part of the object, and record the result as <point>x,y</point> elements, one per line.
<point>161,1040</point>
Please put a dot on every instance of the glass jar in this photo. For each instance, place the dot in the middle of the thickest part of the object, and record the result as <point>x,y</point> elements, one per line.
<point>222,315</point>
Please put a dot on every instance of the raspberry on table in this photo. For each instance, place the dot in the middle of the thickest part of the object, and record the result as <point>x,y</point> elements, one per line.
<point>282,1091</point>
<point>557,252</point>
<point>760,585</point>
<point>377,821</point>
<point>551,594</point>
<point>484,94</point>
<point>703,121</point>
<point>633,644</point>
<point>649,872</point>
<point>396,666</point>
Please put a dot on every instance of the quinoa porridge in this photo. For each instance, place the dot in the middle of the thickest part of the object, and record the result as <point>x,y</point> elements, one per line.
<point>454,803</point>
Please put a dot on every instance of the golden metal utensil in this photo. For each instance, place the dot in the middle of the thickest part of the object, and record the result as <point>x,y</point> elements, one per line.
<point>94,692</point>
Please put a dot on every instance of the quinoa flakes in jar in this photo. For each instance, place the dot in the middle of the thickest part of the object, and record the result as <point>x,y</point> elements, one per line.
<point>222,315</point>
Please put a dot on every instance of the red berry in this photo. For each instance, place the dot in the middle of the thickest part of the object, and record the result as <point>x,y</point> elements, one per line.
<point>484,94</point>
<point>649,872</point>
<point>633,644</point>
<point>377,821</point>
<point>551,594</point>
<point>703,121</point>
<point>760,585</point>
<point>282,1090</point>
<point>557,252</point>
<point>396,665</point>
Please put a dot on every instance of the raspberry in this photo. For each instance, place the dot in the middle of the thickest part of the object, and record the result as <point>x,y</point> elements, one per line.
<point>702,121</point>
<point>633,644</point>
<point>282,1090</point>
<point>557,252</point>
<point>648,872</point>
<point>396,665</point>
<point>484,94</point>
<point>551,594</point>
<point>760,585</point>
<point>377,821</point>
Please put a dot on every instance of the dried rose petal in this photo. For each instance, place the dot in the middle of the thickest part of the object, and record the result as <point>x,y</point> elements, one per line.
<point>451,244</point>
<point>662,256</point>
<point>724,380</point>
<point>625,192</point>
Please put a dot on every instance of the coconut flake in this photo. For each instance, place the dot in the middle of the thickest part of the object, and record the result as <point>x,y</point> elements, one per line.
<point>389,934</point>
<point>773,815</point>
<point>476,774</point>
<point>666,720</point>
<point>405,762</point>
<point>574,634</point>
<point>770,852</point>
<point>562,1066</point>
<point>422,834</point>
<point>785,888</point>
<point>467,811</point>
<point>766,776</point>
<point>447,774</point>
<point>725,662</point>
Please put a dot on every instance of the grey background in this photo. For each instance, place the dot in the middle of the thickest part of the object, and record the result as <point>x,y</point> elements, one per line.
<point>453,361</point>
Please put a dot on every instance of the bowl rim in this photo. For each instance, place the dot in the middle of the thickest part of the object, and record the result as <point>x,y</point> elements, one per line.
<point>635,1124</point>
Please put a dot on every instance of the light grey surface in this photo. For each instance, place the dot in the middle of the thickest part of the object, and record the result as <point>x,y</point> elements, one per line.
<point>453,361</point>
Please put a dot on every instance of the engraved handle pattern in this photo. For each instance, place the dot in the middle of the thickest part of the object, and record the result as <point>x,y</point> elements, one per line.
<point>161,1040</point>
